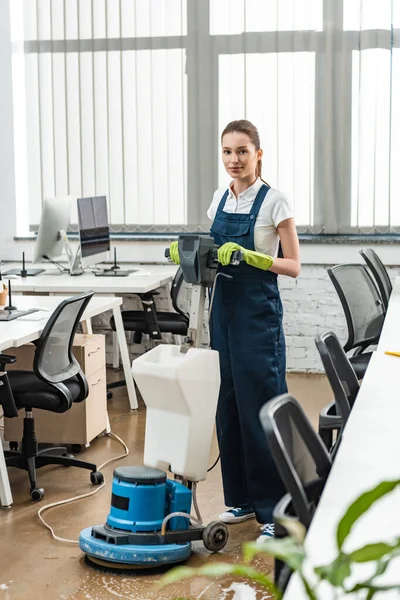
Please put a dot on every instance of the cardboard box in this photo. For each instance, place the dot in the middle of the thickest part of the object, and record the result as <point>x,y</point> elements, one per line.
<point>85,420</point>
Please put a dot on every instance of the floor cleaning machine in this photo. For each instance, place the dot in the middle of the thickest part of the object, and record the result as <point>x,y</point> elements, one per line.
<point>150,522</point>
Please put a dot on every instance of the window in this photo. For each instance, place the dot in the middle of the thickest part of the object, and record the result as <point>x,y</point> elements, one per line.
<point>276,91</point>
<point>128,98</point>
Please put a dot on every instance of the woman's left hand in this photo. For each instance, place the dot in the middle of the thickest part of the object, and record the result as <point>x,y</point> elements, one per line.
<point>252,258</point>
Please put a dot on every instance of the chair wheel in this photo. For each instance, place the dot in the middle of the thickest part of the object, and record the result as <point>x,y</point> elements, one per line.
<point>96,478</point>
<point>215,536</point>
<point>13,446</point>
<point>37,494</point>
<point>109,395</point>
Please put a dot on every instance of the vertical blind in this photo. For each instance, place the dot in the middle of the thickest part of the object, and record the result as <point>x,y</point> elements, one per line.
<point>127,98</point>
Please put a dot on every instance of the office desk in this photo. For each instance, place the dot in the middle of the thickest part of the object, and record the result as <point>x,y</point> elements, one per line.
<point>145,280</point>
<point>18,332</point>
<point>369,453</point>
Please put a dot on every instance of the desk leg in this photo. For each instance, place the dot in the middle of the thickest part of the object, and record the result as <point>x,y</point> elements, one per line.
<point>5,490</point>
<point>123,348</point>
<point>87,327</point>
<point>115,350</point>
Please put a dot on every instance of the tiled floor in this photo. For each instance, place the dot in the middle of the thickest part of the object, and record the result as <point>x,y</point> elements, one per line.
<point>33,566</point>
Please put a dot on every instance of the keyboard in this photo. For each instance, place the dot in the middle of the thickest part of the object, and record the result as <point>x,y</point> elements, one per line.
<point>10,315</point>
<point>116,273</point>
<point>29,272</point>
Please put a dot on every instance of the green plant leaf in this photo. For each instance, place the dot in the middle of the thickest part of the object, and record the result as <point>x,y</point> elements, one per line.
<point>335,572</point>
<point>360,506</point>
<point>285,549</point>
<point>215,570</point>
<point>381,567</point>
<point>373,552</point>
<point>295,529</point>
<point>373,588</point>
<point>310,592</point>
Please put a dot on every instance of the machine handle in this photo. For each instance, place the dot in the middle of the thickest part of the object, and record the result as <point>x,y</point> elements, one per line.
<point>236,257</point>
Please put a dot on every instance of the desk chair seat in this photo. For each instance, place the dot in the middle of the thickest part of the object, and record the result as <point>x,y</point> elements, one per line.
<point>31,392</point>
<point>168,322</point>
<point>55,383</point>
<point>360,362</point>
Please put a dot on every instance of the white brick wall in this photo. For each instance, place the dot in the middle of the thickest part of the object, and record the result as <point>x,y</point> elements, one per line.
<point>311,306</point>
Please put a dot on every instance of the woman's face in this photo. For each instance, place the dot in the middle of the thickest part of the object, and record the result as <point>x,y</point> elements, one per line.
<point>239,155</point>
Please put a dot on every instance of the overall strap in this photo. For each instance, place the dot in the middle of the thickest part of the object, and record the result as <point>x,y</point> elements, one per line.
<point>259,199</point>
<point>221,205</point>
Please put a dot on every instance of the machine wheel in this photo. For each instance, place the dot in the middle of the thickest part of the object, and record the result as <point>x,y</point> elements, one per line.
<point>37,494</point>
<point>96,478</point>
<point>13,446</point>
<point>215,536</point>
<point>109,395</point>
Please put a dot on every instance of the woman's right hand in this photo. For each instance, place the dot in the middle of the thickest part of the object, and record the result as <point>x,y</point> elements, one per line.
<point>173,253</point>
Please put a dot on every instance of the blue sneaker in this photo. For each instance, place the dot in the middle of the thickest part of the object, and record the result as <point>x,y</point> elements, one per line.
<point>268,532</point>
<point>237,515</point>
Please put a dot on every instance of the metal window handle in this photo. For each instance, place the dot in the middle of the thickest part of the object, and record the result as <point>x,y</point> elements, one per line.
<point>94,351</point>
<point>97,382</point>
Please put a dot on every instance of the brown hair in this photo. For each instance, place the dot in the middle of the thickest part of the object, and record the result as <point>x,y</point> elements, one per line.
<point>244,126</point>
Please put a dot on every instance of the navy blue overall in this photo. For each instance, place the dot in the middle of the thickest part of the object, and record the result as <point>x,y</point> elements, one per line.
<point>246,329</point>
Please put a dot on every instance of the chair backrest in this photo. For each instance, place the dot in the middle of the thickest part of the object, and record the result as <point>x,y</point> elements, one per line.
<point>361,303</point>
<point>54,361</point>
<point>340,373</point>
<point>300,456</point>
<point>178,294</point>
<point>380,274</point>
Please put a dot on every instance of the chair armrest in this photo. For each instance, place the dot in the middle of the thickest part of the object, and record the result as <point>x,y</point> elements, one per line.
<point>150,315</point>
<point>282,511</point>
<point>6,396</point>
<point>328,417</point>
<point>6,359</point>
<point>148,295</point>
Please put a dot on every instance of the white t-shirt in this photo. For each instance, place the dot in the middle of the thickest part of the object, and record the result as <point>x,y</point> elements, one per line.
<point>274,209</point>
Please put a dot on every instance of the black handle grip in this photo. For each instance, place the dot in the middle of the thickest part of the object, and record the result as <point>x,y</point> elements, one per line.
<point>236,258</point>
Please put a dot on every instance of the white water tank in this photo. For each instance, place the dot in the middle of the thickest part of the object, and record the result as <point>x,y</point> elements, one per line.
<point>180,391</point>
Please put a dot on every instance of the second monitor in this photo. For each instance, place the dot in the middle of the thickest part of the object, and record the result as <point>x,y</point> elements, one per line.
<point>94,231</point>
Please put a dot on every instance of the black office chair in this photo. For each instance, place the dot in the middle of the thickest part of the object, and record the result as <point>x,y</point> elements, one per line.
<point>363,309</point>
<point>54,384</point>
<point>154,322</point>
<point>380,274</point>
<point>302,461</point>
<point>344,384</point>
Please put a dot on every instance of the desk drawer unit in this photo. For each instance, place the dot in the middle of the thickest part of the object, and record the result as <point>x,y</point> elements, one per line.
<point>85,420</point>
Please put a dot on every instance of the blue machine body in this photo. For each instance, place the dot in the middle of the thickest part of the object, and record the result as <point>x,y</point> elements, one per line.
<point>140,500</point>
<point>142,507</point>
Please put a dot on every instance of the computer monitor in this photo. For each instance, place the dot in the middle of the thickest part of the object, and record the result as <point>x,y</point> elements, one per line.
<point>94,230</point>
<point>56,214</point>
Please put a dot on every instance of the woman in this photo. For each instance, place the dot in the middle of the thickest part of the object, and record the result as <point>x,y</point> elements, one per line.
<point>246,324</point>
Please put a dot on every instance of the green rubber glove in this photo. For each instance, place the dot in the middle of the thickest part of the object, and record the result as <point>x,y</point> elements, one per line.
<point>173,253</point>
<point>252,258</point>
